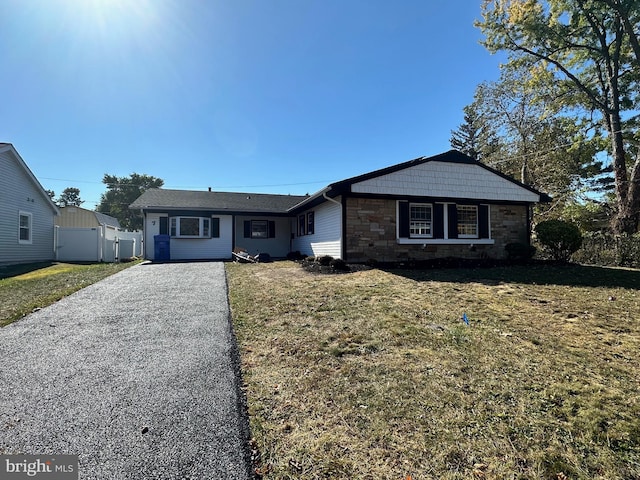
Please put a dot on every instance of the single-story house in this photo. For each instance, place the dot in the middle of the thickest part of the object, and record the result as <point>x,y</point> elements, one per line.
<point>448,205</point>
<point>27,213</point>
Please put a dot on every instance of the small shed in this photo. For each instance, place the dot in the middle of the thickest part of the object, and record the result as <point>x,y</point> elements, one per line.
<point>77,217</point>
<point>87,236</point>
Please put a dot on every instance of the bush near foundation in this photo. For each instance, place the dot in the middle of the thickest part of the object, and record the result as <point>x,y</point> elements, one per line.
<point>559,239</point>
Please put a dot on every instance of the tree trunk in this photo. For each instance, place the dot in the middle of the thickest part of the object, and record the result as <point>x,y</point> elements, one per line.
<point>629,213</point>
<point>627,193</point>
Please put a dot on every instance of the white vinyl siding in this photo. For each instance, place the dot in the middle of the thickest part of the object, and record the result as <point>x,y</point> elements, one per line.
<point>327,226</point>
<point>444,179</point>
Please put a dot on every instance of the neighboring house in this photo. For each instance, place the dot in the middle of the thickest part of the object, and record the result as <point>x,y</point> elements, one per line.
<point>77,217</point>
<point>26,212</point>
<point>448,205</point>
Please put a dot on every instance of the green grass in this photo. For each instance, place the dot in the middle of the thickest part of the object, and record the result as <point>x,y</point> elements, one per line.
<point>373,375</point>
<point>25,288</point>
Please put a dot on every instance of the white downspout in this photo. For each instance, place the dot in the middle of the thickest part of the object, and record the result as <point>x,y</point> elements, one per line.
<point>324,195</point>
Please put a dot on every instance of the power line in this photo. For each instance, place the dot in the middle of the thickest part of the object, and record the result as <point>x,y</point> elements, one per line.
<point>190,186</point>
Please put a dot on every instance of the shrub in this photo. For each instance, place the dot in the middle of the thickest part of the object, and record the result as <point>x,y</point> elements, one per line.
<point>603,248</point>
<point>559,238</point>
<point>324,260</point>
<point>296,256</point>
<point>520,251</point>
<point>339,264</point>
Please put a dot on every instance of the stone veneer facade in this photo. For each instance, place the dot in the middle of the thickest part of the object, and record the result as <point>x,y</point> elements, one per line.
<point>371,234</point>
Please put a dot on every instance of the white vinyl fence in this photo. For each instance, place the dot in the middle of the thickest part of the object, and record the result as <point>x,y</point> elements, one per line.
<point>97,244</point>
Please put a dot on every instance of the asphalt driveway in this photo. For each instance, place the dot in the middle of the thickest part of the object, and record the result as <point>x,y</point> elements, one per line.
<point>137,374</point>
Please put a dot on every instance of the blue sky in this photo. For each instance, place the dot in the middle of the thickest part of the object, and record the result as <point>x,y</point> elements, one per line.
<point>274,96</point>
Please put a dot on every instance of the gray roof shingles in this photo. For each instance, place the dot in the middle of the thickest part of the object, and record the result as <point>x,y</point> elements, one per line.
<point>159,198</point>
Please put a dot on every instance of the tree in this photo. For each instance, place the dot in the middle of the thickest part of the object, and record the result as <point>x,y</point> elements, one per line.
<point>121,192</point>
<point>473,137</point>
<point>533,142</point>
<point>591,48</point>
<point>51,194</point>
<point>70,197</point>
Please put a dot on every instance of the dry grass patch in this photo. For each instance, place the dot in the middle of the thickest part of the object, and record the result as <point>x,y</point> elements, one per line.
<point>373,375</point>
<point>24,288</point>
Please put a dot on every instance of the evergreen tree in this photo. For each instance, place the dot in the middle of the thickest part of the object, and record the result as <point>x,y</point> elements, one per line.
<point>70,197</point>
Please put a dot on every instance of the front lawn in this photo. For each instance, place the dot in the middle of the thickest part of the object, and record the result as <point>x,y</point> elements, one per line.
<point>24,288</point>
<point>373,374</point>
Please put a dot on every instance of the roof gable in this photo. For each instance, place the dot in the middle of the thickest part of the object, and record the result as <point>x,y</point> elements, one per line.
<point>448,175</point>
<point>8,147</point>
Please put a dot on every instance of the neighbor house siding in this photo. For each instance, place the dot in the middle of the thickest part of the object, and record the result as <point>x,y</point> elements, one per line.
<point>326,239</point>
<point>372,233</point>
<point>19,194</point>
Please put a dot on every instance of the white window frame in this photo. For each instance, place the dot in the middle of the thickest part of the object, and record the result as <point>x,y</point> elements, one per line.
<point>204,225</point>
<point>411,221</point>
<point>29,227</point>
<point>468,224</point>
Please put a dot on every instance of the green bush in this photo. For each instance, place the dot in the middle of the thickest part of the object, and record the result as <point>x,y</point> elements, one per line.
<point>559,238</point>
<point>603,248</point>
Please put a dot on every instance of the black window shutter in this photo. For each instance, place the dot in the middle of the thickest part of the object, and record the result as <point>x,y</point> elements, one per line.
<point>403,219</point>
<point>453,220</point>
<point>438,220</point>
<point>215,227</point>
<point>247,229</point>
<point>164,225</point>
<point>272,229</point>
<point>483,221</point>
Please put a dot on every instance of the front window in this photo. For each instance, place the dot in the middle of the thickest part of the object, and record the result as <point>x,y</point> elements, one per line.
<point>420,220</point>
<point>467,221</point>
<point>190,227</point>
<point>24,227</point>
<point>259,229</point>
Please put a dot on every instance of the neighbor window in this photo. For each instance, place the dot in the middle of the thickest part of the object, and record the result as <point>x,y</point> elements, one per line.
<point>420,220</point>
<point>24,227</point>
<point>467,221</point>
<point>190,227</point>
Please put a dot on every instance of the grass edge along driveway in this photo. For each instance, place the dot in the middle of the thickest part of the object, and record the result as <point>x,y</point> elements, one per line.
<point>373,374</point>
<point>25,288</point>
